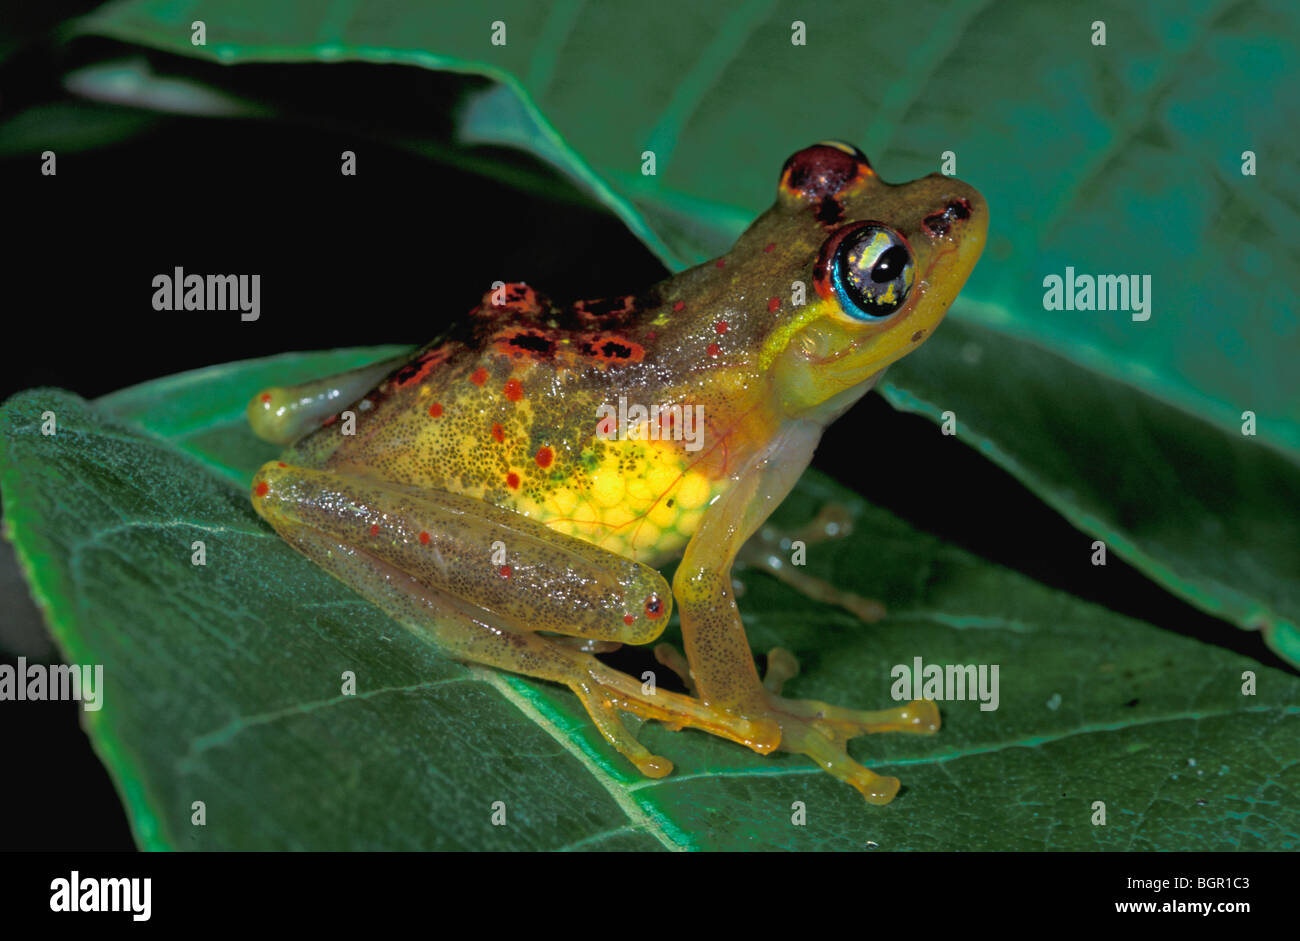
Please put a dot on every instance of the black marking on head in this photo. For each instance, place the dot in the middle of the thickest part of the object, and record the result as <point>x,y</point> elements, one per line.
<point>829,211</point>
<point>938,223</point>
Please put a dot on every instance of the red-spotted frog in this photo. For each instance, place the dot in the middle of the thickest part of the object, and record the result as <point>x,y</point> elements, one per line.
<point>509,490</point>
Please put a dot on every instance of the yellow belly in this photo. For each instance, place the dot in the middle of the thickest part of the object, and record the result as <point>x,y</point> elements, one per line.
<point>640,499</point>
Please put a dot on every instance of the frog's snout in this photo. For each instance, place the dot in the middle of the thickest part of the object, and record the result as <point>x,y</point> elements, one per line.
<point>956,213</point>
<point>959,211</point>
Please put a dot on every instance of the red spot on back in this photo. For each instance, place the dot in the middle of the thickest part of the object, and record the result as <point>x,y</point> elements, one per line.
<point>713,349</point>
<point>721,326</point>
<point>680,305</point>
<point>498,433</point>
<point>266,396</point>
<point>424,538</point>
<point>774,304</point>
<point>514,390</point>
<point>722,262</point>
<point>478,376</point>
<point>329,421</point>
<point>628,619</point>
<point>544,456</point>
<point>512,480</point>
<point>262,488</point>
<point>505,571</point>
<point>374,529</point>
<point>435,410</point>
<point>769,246</point>
<point>281,464</point>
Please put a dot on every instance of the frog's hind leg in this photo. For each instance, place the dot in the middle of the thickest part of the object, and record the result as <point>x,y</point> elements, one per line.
<point>770,550</point>
<point>425,557</point>
<point>283,414</point>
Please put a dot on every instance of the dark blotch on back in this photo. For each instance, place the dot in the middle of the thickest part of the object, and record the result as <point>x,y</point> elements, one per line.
<point>605,306</point>
<point>533,343</point>
<point>611,350</point>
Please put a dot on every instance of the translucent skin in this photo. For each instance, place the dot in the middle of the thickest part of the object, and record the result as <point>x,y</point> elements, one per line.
<point>485,492</point>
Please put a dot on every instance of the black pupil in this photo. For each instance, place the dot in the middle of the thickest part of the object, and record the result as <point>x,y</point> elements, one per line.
<point>890,266</point>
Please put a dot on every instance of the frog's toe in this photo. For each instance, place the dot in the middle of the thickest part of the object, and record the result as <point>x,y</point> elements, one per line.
<point>601,708</point>
<point>918,717</point>
<point>821,731</point>
<point>606,693</point>
<point>671,657</point>
<point>781,666</point>
<point>829,754</point>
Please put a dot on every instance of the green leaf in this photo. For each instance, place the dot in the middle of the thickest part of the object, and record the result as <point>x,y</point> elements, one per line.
<point>1122,158</point>
<point>1204,512</point>
<point>222,681</point>
<point>65,126</point>
<point>1156,117</point>
<point>134,82</point>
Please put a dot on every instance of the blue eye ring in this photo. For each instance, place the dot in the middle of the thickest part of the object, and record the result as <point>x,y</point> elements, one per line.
<point>873,284</point>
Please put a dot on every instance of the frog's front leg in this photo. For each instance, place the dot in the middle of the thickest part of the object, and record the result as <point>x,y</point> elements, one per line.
<point>770,549</point>
<point>426,558</point>
<point>717,650</point>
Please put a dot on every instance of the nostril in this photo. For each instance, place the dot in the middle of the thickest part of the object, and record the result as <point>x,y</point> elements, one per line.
<point>939,223</point>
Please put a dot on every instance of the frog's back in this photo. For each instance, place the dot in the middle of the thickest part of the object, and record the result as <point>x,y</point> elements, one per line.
<point>536,409</point>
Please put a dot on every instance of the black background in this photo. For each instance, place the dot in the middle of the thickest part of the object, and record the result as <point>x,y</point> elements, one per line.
<point>386,256</point>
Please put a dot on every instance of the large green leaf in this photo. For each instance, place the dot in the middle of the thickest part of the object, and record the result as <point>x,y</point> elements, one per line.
<point>1119,158</point>
<point>222,682</point>
<point>1184,501</point>
<point>1144,175</point>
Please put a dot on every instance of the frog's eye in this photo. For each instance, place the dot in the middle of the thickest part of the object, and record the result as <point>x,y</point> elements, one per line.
<point>869,269</point>
<point>654,607</point>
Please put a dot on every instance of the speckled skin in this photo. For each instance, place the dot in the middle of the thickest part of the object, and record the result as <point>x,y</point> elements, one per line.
<point>480,497</point>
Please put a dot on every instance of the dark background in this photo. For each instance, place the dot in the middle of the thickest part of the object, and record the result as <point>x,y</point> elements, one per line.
<point>387,256</point>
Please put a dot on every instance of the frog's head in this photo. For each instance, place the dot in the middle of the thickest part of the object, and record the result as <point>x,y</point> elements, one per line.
<point>882,261</point>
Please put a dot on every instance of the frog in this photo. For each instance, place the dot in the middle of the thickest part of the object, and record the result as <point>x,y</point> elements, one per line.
<point>510,491</point>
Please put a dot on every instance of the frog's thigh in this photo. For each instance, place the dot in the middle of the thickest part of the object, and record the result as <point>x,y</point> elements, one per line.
<point>483,558</point>
<point>283,414</point>
<point>372,536</point>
